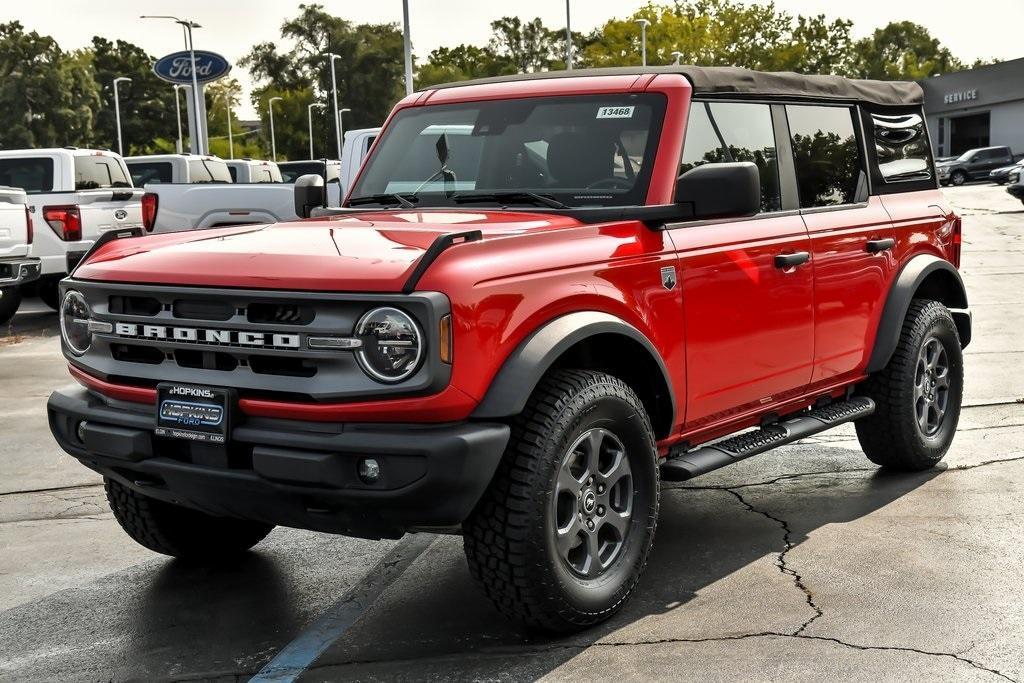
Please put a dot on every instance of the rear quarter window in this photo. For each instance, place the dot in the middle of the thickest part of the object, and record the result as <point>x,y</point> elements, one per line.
<point>901,146</point>
<point>30,174</point>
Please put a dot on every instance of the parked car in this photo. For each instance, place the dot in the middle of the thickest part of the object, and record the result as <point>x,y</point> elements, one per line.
<point>177,168</point>
<point>74,195</point>
<point>516,334</point>
<point>253,171</point>
<point>1001,175</point>
<point>17,267</point>
<point>974,164</point>
<point>1015,181</point>
<point>195,206</point>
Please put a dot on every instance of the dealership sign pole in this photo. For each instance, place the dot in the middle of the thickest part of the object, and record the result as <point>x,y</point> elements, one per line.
<point>193,69</point>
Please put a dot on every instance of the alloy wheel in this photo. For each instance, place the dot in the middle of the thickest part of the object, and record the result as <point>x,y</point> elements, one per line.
<point>931,386</point>
<point>593,503</point>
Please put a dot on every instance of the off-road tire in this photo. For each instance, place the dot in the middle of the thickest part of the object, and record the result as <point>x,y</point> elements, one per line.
<point>891,436</point>
<point>509,538</point>
<point>179,531</point>
<point>958,178</point>
<point>10,300</point>
<point>48,291</point>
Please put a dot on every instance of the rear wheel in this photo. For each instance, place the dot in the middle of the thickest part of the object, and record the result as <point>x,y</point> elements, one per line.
<point>918,394</point>
<point>179,531</point>
<point>562,534</point>
<point>10,300</point>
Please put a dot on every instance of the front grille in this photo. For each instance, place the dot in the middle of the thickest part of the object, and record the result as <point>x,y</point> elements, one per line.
<point>251,340</point>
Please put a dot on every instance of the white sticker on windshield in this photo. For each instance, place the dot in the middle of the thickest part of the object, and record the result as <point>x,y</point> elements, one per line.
<point>615,113</point>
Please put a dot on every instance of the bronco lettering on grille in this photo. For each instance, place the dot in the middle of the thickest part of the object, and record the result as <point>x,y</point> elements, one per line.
<point>206,336</point>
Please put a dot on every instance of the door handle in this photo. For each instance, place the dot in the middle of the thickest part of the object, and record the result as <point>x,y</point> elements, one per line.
<point>792,260</point>
<point>876,246</point>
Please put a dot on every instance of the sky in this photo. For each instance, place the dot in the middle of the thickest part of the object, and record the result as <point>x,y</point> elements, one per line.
<point>982,28</point>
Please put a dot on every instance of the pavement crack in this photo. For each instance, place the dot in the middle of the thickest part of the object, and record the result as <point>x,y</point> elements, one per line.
<point>782,563</point>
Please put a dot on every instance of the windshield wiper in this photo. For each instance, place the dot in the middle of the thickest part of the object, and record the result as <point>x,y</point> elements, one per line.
<point>514,196</point>
<point>382,199</point>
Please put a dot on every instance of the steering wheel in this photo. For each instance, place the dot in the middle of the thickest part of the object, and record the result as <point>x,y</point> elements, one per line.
<point>612,183</point>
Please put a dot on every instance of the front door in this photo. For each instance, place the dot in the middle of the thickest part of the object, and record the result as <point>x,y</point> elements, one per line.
<point>748,286</point>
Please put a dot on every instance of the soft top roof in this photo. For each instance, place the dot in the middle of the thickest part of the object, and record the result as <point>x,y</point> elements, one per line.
<point>734,80</point>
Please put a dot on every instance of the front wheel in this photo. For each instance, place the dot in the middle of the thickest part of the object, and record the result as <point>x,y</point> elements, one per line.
<point>179,531</point>
<point>49,291</point>
<point>958,178</point>
<point>918,394</point>
<point>562,534</point>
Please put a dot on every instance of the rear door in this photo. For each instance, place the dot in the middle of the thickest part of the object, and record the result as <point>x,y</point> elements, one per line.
<point>852,239</point>
<point>748,315</point>
<point>104,194</point>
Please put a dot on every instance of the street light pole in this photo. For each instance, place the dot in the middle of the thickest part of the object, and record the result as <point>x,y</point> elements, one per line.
<point>273,143</point>
<point>231,139</point>
<point>188,25</point>
<point>309,114</point>
<point>117,111</point>
<point>341,128</point>
<point>643,39</point>
<point>568,38</point>
<point>407,47</point>
<point>337,112</point>
<point>177,111</point>
<point>678,55</point>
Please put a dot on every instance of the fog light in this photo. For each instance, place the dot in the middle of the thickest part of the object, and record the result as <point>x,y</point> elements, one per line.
<point>80,431</point>
<point>369,470</point>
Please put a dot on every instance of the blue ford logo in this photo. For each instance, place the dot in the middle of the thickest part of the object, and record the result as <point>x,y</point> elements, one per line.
<point>177,67</point>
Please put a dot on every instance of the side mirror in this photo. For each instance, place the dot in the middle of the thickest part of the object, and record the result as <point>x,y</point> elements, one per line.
<point>309,194</point>
<point>721,190</point>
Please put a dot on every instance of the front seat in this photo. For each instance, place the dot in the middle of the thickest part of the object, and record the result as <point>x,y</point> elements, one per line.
<point>580,158</point>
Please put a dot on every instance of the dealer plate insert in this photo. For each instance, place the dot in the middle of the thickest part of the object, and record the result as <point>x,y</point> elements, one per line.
<point>195,413</point>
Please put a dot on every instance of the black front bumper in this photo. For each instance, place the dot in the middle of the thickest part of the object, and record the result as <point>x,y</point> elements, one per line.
<point>1016,190</point>
<point>297,474</point>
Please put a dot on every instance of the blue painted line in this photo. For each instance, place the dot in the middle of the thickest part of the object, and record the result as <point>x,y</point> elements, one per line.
<point>298,655</point>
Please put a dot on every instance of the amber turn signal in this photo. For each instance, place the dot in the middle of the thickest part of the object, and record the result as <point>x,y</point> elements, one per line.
<point>446,339</point>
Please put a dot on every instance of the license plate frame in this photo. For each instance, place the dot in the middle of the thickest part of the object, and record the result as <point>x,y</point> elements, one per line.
<point>194,412</point>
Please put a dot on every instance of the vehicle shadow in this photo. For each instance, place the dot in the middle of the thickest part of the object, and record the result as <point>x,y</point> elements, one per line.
<point>33,319</point>
<point>704,536</point>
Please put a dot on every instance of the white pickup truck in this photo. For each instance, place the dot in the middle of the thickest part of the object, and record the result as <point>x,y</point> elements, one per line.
<point>17,266</point>
<point>175,207</point>
<point>177,168</point>
<point>253,171</point>
<point>74,195</point>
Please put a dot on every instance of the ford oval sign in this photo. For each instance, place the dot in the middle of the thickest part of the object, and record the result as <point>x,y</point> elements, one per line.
<point>177,67</point>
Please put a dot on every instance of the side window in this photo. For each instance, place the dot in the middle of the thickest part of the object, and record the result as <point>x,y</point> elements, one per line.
<point>828,164</point>
<point>719,132</point>
<point>901,146</point>
<point>234,173</point>
<point>32,174</point>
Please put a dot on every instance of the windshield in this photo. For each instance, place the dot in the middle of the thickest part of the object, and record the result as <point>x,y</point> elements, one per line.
<point>208,171</point>
<point>595,150</point>
<point>98,171</point>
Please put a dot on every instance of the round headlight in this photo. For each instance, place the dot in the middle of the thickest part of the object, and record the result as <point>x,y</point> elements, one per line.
<point>391,344</point>
<point>74,322</point>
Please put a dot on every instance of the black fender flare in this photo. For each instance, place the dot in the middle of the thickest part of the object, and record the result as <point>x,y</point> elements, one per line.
<point>527,364</point>
<point>903,290</point>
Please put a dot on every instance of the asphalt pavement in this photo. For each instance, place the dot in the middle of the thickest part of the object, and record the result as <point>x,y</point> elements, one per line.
<point>806,563</point>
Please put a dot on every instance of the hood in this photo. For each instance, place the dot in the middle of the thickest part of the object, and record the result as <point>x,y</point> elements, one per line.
<point>374,252</point>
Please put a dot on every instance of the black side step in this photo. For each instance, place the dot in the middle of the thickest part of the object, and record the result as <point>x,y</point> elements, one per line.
<point>706,458</point>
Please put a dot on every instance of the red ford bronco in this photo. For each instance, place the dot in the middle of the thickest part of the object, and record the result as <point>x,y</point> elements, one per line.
<point>543,295</point>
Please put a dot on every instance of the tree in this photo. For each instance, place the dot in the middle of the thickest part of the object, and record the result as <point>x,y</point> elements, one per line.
<point>725,33</point>
<point>902,50</point>
<point>460,63</point>
<point>244,143</point>
<point>369,74</point>
<point>147,103</point>
<point>47,96</point>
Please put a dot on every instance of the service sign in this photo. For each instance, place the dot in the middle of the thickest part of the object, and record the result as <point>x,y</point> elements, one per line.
<point>177,67</point>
